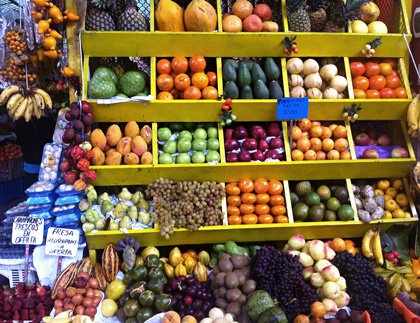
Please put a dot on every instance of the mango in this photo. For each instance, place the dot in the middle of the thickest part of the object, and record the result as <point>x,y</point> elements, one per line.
<point>124,146</point>
<point>146,158</point>
<point>98,139</point>
<point>113,158</point>
<point>146,134</point>
<point>131,159</point>
<point>138,145</point>
<point>111,150</point>
<point>132,129</point>
<point>113,135</point>
<point>98,156</point>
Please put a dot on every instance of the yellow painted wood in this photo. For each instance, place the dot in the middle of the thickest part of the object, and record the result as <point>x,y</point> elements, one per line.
<point>152,15</point>
<point>219,77</point>
<point>155,148</point>
<point>352,199</point>
<point>348,77</point>
<point>286,140</point>
<point>289,207</point>
<point>243,233</point>
<point>224,208</point>
<point>153,77</point>
<point>286,90</point>
<point>284,16</point>
<point>219,14</point>
<point>85,77</point>
<point>221,143</point>
<point>350,140</point>
<point>407,140</point>
<point>404,77</point>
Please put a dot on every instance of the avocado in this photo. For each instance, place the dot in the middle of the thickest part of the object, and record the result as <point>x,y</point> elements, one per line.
<point>231,90</point>
<point>144,314</point>
<point>312,199</point>
<point>100,88</point>
<point>229,73</point>
<point>132,82</point>
<point>232,62</point>
<point>163,302</point>
<point>333,204</point>
<point>345,213</point>
<point>244,76</point>
<point>316,213</point>
<point>330,215</point>
<point>131,320</point>
<point>258,74</point>
<point>105,73</point>
<point>294,198</point>
<point>302,188</point>
<point>275,91</point>
<point>260,90</point>
<point>147,298</point>
<point>271,315</point>
<point>121,95</point>
<point>249,65</point>
<point>300,211</point>
<point>123,299</point>
<point>324,192</point>
<point>340,192</point>
<point>271,69</point>
<point>246,93</point>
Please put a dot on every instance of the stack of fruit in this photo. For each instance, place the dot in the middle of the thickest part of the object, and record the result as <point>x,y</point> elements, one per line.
<point>186,143</point>
<point>187,264</point>
<point>257,143</point>
<point>115,149</point>
<point>186,79</point>
<point>316,141</point>
<point>307,79</point>
<point>377,79</point>
<point>79,121</point>
<point>259,201</point>
<point>10,151</point>
<point>367,20</point>
<point>244,17</point>
<point>325,204</point>
<point>239,77</point>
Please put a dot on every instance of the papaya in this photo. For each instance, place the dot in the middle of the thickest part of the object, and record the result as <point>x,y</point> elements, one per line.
<point>169,16</point>
<point>200,16</point>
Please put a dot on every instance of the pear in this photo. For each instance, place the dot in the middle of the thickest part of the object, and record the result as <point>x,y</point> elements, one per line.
<point>106,207</point>
<point>143,205</point>
<point>125,194</point>
<point>113,225</point>
<point>120,210</point>
<point>126,223</point>
<point>144,218</point>
<point>133,213</point>
<point>103,197</point>
<point>136,197</point>
<point>100,224</point>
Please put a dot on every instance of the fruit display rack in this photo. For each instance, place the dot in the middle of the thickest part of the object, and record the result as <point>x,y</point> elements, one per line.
<point>220,45</point>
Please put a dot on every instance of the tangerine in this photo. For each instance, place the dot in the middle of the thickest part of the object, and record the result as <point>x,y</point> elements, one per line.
<point>261,185</point>
<point>275,187</point>
<point>234,219</point>
<point>209,93</point>
<point>212,78</point>
<point>200,80</point>
<point>248,198</point>
<point>265,219</point>
<point>276,200</point>
<point>247,208</point>
<point>262,198</point>
<point>281,219</point>
<point>163,66</point>
<point>197,63</point>
<point>165,95</point>
<point>233,200</point>
<point>250,219</point>
<point>246,185</point>
<point>182,81</point>
<point>278,210</point>
<point>261,209</point>
<point>179,64</point>
<point>232,189</point>
<point>233,210</point>
<point>192,93</point>
<point>165,82</point>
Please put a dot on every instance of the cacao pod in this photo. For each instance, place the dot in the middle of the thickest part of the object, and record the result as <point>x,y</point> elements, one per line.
<point>180,270</point>
<point>65,279</point>
<point>200,272</point>
<point>110,262</point>
<point>175,257</point>
<point>204,257</point>
<point>99,275</point>
<point>85,266</point>
<point>169,270</point>
<point>189,264</point>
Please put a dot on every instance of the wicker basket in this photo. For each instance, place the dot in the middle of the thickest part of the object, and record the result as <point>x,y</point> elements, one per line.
<point>11,169</point>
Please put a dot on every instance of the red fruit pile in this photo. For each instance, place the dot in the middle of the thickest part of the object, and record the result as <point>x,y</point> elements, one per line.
<point>25,303</point>
<point>10,151</point>
<point>79,120</point>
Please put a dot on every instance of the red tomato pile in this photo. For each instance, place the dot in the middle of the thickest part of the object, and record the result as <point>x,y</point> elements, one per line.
<point>259,201</point>
<point>377,80</point>
<point>10,151</point>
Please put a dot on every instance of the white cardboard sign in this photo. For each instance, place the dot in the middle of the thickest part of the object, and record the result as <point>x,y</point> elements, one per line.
<point>62,242</point>
<point>27,231</point>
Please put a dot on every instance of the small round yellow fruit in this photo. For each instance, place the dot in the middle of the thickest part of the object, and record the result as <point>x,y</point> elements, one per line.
<point>377,27</point>
<point>359,27</point>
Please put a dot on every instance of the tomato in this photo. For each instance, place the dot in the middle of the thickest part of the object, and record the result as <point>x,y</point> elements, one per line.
<point>400,92</point>
<point>359,94</point>
<point>387,93</point>
<point>262,209</point>
<point>233,210</point>
<point>248,198</point>
<point>357,69</point>
<point>250,219</point>
<point>261,185</point>
<point>377,82</point>
<point>175,93</point>
<point>246,209</point>
<point>281,219</point>
<point>373,94</point>
<point>246,185</point>
<point>394,73</point>
<point>192,93</point>
<point>233,200</point>
<point>276,200</point>
<point>265,219</point>
<point>385,69</point>
<point>263,198</point>
<point>209,93</point>
<point>372,69</point>
<point>212,78</point>
<point>275,187</point>
<point>232,189</point>
<point>393,81</point>
<point>391,61</point>
<point>234,219</point>
<point>361,83</point>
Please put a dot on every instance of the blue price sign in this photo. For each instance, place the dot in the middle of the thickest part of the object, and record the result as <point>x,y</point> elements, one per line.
<point>292,108</point>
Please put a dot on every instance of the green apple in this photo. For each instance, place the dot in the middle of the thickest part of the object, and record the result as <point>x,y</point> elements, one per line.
<point>185,134</point>
<point>198,157</point>
<point>164,134</point>
<point>212,132</point>
<point>213,144</point>
<point>200,133</point>
<point>170,147</point>
<point>199,145</point>
<point>165,158</point>
<point>212,156</point>
<point>184,145</point>
<point>183,158</point>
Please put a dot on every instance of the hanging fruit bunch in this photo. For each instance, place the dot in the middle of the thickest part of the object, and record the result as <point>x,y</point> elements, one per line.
<point>227,116</point>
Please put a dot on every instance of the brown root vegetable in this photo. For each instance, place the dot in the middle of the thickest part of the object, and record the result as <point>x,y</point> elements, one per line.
<point>220,279</point>
<point>239,261</point>
<point>231,280</point>
<point>241,276</point>
<point>249,286</point>
<point>247,272</point>
<point>242,299</point>
<point>221,303</point>
<point>234,308</point>
<point>225,265</point>
<point>233,295</point>
<point>221,292</point>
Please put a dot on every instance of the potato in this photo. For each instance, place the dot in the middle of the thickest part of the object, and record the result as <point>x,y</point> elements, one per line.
<point>241,276</point>
<point>233,295</point>
<point>225,265</point>
<point>239,261</point>
<point>234,308</point>
<point>231,280</point>
<point>221,303</point>
<point>249,286</point>
<point>221,292</point>
<point>220,279</point>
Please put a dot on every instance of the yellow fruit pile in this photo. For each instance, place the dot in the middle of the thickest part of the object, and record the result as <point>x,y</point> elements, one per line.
<point>396,199</point>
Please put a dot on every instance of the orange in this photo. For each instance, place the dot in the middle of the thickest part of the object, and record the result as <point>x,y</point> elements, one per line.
<point>296,133</point>
<point>320,155</point>
<point>361,83</point>
<point>163,66</point>
<point>260,185</point>
<point>246,208</point>
<point>391,191</point>
<point>233,200</point>
<point>233,210</point>
<point>349,243</point>
<point>383,184</point>
<point>345,155</point>
<point>341,144</point>
<point>281,219</point>
<point>303,144</point>
<point>234,219</point>
<point>278,210</point>
<point>175,93</point>
<point>310,155</point>
<point>182,81</point>
<point>197,63</point>
<point>200,80</point>
<point>326,133</point>
<point>276,200</point>
<point>316,144</point>
<point>212,78</point>
<point>232,189</point>
<point>179,64</point>
<point>338,245</point>
<point>275,187</point>
<point>327,145</point>
<point>265,219</point>
<point>304,124</point>
<point>248,198</point>
<point>297,155</point>
<point>246,185</point>
<point>398,184</point>
<point>250,219</point>
<point>340,132</point>
<point>315,131</point>
<point>359,94</point>
<point>261,209</point>
<point>192,93</point>
<point>165,95</point>
<point>351,249</point>
<point>165,82</point>
<point>209,93</point>
<point>262,198</point>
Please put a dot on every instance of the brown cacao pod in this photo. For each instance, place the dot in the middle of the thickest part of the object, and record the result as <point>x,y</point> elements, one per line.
<point>110,262</point>
<point>65,279</point>
<point>99,275</point>
<point>85,266</point>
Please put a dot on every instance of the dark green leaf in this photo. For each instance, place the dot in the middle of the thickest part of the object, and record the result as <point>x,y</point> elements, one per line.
<point>400,233</point>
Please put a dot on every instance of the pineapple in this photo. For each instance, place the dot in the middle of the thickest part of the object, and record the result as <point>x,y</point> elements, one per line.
<point>101,4</point>
<point>297,16</point>
<point>97,19</point>
<point>317,14</point>
<point>132,20</point>
<point>114,64</point>
<point>117,8</point>
<point>339,14</point>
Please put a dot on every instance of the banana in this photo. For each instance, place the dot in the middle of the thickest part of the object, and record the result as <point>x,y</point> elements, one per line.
<point>37,109</point>
<point>366,243</point>
<point>7,93</point>
<point>40,101</point>
<point>21,109</point>
<point>29,109</point>
<point>14,99</point>
<point>376,248</point>
<point>405,286</point>
<point>46,97</point>
<point>413,113</point>
<point>15,106</point>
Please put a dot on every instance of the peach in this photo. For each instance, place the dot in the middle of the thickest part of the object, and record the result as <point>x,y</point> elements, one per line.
<point>270,26</point>
<point>146,158</point>
<point>113,135</point>
<point>98,139</point>
<point>242,9</point>
<point>131,129</point>
<point>263,11</point>
<point>232,24</point>
<point>113,158</point>
<point>252,23</point>
<point>124,145</point>
<point>146,134</point>
<point>110,151</point>
<point>98,156</point>
<point>131,159</point>
<point>139,146</point>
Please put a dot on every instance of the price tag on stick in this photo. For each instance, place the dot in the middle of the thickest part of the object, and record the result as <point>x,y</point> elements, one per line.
<point>292,108</point>
<point>62,242</point>
<point>27,231</point>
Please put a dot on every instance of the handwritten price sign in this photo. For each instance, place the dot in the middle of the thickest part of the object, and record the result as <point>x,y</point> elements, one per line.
<point>292,108</point>
<point>27,231</point>
<point>62,242</point>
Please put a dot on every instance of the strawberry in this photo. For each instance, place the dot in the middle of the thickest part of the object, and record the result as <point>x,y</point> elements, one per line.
<point>16,316</point>
<point>24,314</point>
<point>17,305</point>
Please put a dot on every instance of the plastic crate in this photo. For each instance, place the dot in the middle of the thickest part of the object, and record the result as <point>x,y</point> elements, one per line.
<point>11,190</point>
<point>16,274</point>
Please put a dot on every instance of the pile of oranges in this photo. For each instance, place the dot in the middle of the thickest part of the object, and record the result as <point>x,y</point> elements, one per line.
<point>396,199</point>
<point>377,80</point>
<point>315,141</point>
<point>186,79</point>
<point>258,201</point>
